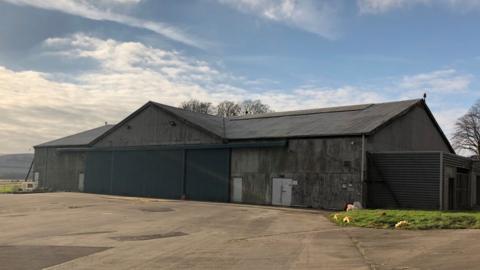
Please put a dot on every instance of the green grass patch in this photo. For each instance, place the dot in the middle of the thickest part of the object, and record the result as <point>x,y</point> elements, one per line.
<point>416,220</point>
<point>10,187</point>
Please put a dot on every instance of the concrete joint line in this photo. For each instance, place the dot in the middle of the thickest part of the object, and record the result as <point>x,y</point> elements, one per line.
<point>279,234</point>
<point>362,252</point>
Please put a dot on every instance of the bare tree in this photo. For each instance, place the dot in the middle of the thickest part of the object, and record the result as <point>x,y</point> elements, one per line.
<point>254,107</point>
<point>467,131</point>
<point>195,105</point>
<point>228,108</point>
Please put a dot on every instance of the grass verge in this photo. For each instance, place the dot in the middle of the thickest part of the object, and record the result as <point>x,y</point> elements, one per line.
<point>415,220</point>
<point>10,187</point>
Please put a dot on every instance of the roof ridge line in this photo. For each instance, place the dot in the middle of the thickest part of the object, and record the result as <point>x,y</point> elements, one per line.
<point>300,113</point>
<point>333,109</point>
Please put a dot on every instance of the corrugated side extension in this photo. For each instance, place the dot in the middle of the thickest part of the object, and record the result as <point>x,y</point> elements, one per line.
<point>403,180</point>
<point>476,166</point>
<point>453,160</point>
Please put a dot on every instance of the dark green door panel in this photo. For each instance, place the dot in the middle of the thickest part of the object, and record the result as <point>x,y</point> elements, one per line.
<point>135,173</point>
<point>207,175</point>
<point>98,172</point>
<point>129,173</point>
<point>165,169</point>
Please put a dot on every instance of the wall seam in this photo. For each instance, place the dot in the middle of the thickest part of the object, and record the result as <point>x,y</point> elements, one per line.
<point>441,182</point>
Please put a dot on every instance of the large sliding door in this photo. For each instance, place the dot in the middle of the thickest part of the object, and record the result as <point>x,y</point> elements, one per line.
<point>98,172</point>
<point>201,174</point>
<point>135,173</point>
<point>207,175</point>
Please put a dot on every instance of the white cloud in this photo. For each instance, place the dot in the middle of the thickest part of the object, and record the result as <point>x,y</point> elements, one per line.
<point>37,107</point>
<point>383,6</point>
<point>440,85</point>
<point>126,56</point>
<point>318,17</point>
<point>317,97</point>
<point>440,81</point>
<point>463,5</point>
<point>446,119</point>
<point>103,11</point>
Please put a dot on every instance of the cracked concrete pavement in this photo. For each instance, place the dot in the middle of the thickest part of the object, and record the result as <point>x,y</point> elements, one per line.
<point>87,231</point>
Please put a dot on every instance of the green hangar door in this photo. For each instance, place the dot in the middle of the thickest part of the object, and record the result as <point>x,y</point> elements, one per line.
<point>98,172</point>
<point>207,174</point>
<point>149,173</point>
<point>198,174</point>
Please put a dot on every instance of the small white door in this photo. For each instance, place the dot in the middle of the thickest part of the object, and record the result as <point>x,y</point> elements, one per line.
<point>281,191</point>
<point>81,181</point>
<point>287,192</point>
<point>237,189</point>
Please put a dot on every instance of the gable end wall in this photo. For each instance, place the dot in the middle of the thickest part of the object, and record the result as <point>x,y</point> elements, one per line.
<point>413,131</point>
<point>152,127</point>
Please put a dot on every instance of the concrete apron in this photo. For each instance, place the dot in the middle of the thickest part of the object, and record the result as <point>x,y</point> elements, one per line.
<point>180,235</point>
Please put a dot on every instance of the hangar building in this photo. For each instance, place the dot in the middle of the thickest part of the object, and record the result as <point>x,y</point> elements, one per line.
<point>383,155</point>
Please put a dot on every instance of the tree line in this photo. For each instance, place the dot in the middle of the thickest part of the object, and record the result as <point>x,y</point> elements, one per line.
<point>227,108</point>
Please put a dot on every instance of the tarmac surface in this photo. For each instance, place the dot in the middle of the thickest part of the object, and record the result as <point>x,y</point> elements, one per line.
<point>87,231</point>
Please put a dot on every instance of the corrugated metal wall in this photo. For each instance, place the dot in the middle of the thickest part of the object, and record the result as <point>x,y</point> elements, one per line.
<point>160,173</point>
<point>453,160</point>
<point>58,170</point>
<point>327,171</point>
<point>458,184</point>
<point>404,180</point>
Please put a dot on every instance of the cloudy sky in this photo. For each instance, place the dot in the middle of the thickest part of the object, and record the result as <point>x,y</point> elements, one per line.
<point>70,65</point>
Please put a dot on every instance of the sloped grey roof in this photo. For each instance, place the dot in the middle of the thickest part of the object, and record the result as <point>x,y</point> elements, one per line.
<point>333,121</point>
<point>345,120</point>
<point>211,123</point>
<point>80,139</point>
<point>304,112</point>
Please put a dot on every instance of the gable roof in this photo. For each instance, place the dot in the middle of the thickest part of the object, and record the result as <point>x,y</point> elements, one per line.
<point>84,138</point>
<point>211,123</point>
<point>334,121</point>
<point>355,120</point>
<point>363,119</point>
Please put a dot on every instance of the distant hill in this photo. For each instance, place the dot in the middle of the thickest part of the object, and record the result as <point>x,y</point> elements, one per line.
<point>15,166</point>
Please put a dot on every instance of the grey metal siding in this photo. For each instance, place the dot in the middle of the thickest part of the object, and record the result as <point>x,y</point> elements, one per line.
<point>327,171</point>
<point>40,165</point>
<point>154,127</point>
<point>58,170</point>
<point>456,161</point>
<point>413,131</point>
<point>404,180</point>
<point>457,199</point>
<point>476,166</point>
